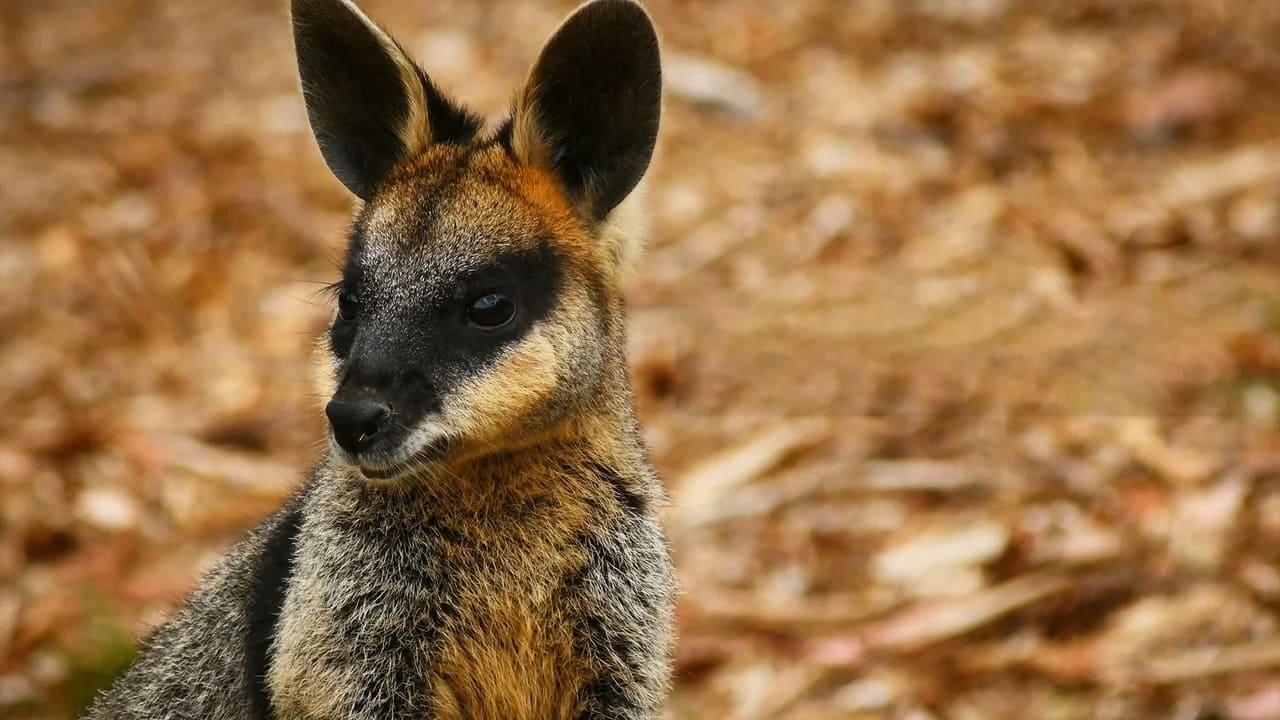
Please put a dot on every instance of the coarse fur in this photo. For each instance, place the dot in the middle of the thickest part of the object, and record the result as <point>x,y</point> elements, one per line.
<point>481,539</point>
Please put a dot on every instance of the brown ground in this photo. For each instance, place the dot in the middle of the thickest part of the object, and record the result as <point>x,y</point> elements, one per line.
<point>956,339</point>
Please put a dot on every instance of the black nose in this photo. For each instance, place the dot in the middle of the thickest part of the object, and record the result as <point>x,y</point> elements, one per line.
<point>355,422</point>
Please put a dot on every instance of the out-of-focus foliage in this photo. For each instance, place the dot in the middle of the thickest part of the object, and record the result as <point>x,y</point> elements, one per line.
<point>956,338</point>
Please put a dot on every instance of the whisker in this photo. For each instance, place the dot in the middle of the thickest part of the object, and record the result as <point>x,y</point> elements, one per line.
<point>326,305</point>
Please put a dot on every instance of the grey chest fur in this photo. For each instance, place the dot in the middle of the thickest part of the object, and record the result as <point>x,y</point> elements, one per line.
<point>391,612</point>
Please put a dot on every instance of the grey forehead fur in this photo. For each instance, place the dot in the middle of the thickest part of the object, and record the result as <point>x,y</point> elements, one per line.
<point>417,244</point>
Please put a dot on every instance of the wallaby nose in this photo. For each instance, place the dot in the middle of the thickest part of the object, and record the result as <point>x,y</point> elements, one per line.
<point>356,422</point>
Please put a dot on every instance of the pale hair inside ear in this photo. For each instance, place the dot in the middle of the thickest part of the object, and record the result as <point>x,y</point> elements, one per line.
<point>624,230</point>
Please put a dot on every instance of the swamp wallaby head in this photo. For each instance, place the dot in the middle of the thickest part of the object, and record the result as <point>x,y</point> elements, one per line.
<point>479,308</point>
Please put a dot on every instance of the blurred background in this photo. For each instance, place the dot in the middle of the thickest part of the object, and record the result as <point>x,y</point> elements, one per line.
<point>956,340</point>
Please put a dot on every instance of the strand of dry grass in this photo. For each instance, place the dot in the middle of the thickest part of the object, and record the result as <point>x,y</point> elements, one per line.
<point>700,491</point>
<point>906,630</point>
<point>744,610</point>
<point>831,478</point>
<point>1199,663</point>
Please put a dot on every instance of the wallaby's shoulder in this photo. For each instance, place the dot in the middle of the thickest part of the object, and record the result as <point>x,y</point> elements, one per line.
<point>207,659</point>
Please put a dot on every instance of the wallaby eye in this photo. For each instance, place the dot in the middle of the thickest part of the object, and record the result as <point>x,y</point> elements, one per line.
<point>348,306</point>
<point>491,310</point>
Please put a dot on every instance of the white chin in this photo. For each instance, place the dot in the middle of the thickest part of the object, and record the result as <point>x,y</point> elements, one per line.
<point>386,474</point>
<point>401,463</point>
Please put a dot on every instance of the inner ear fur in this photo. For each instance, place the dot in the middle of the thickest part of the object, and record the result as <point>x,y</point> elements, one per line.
<point>369,105</point>
<point>589,111</point>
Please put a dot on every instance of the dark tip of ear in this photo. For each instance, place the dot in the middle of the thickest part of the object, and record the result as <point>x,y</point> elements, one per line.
<point>597,94</point>
<point>353,90</point>
<point>358,86</point>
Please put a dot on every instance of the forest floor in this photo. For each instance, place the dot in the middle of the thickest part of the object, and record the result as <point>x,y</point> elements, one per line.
<point>957,339</point>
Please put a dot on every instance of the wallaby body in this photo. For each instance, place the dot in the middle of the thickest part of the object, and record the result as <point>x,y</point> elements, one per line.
<point>481,541</point>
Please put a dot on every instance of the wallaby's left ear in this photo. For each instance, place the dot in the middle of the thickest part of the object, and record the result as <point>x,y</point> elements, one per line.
<point>589,111</point>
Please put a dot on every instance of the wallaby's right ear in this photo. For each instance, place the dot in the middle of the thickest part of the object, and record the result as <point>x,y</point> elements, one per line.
<point>369,105</point>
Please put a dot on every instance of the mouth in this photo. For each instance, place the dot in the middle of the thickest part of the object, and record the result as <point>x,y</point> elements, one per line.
<point>431,452</point>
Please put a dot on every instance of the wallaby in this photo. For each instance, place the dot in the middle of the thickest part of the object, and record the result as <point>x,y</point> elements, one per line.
<point>481,539</point>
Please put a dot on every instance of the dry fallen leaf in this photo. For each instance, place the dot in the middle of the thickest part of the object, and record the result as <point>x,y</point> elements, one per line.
<point>704,81</point>
<point>942,560</point>
<point>699,490</point>
<point>936,620</point>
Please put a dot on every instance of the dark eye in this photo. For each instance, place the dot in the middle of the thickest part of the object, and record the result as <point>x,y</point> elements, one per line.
<point>348,306</point>
<point>491,310</point>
